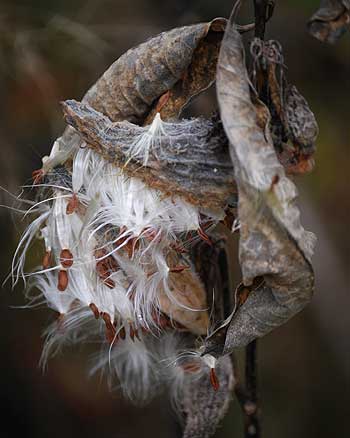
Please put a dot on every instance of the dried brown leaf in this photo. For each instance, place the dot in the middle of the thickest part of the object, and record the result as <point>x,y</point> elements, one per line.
<point>273,245</point>
<point>184,58</point>
<point>330,21</point>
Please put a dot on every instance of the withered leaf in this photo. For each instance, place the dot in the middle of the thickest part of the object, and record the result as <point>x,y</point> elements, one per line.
<point>330,21</point>
<point>273,245</point>
<point>132,84</point>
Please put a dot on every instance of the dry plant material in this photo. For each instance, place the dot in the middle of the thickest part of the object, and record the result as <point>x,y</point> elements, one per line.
<point>137,208</point>
<point>330,21</point>
<point>275,247</point>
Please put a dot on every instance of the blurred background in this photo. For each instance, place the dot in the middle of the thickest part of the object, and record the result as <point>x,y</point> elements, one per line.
<point>54,50</point>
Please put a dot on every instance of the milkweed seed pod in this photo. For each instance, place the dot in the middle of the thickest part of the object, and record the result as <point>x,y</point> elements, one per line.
<point>128,198</point>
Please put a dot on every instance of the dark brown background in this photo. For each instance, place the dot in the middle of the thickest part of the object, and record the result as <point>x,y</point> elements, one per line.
<point>53,50</point>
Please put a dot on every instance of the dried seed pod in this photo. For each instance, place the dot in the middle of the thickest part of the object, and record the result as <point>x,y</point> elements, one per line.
<point>128,89</point>
<point>330,21</point>
<point>300,120</point>
<point>203,175</point>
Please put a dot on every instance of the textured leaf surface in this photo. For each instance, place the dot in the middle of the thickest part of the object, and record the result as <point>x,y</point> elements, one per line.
<point>185,56</point>
<point>273,244</point>
<point>200,172</point>
<point>330,21</point>
<point>205,407</point>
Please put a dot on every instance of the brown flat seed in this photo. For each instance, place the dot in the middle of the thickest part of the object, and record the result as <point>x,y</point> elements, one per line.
<point>109,282</point>
<point>122,333</point>
<point>274,181</point>
<point>191,367</point>
<point>37,176</point>
<point>66,258</point>
<point>47,260</point>
<point>178,269</point>
<point>132,332</point>
<point>62,280</point>
<point>72,204</point>
<point>214,379</point>
<point>110,336</point>
<point>95,310</point>
<point>107,319</point>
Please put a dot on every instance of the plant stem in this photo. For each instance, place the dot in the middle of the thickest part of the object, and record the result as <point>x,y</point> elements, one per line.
<point>262,11</point>
<point>252,420</point>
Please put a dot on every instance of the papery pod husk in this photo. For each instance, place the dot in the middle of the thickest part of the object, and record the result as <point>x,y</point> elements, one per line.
<point>184,58</point>
<point>330,21</point>
<point>273,244</point>
<point>205,408</point>
<point>292,123</point>
<point>180,63</point>
<point>200,174</point>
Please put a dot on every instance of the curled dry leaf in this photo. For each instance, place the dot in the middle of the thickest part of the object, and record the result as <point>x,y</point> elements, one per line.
<point>273,244</point>
<point>161,74</point>
<point>182,60</point>
<point>330,21</point>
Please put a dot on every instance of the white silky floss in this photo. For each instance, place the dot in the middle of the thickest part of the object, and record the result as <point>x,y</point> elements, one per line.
<point>115,213</point>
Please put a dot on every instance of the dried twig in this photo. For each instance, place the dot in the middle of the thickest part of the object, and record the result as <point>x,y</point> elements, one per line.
<point>248,396</point>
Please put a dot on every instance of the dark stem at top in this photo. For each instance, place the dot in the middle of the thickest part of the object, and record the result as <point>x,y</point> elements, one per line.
<point>262,10</point>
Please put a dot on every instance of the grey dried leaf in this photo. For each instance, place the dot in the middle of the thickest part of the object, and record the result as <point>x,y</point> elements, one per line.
<point>205,408</point>
<point>330,21</point>
<point>273,244</point>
